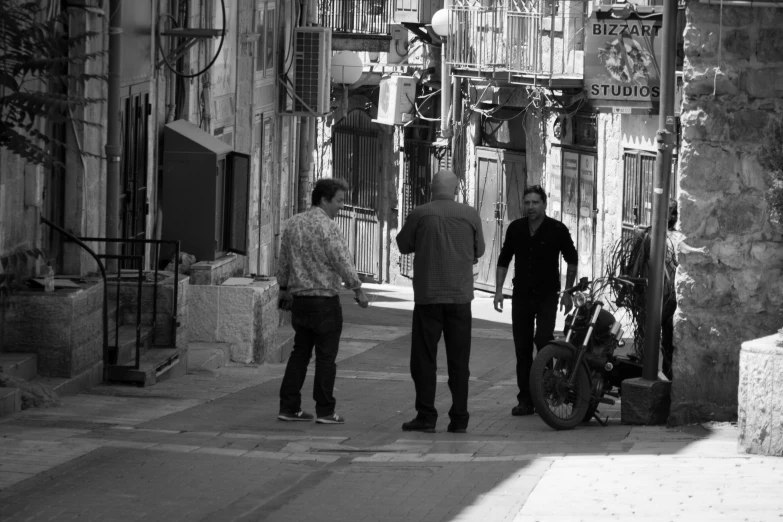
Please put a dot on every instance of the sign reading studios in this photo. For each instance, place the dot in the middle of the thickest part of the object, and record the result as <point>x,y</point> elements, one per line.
<point>622,62</point>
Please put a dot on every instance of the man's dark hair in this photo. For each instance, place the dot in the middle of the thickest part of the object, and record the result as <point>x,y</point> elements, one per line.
<point>326,188</point>
<point>536,189</point>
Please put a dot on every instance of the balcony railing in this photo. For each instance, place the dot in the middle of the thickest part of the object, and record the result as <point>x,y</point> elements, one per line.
<point>528,39</point>
<point>368,17</point>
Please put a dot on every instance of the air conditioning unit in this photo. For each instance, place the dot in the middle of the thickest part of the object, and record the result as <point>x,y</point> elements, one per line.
<point>311,74</point>
<point>395,101</point>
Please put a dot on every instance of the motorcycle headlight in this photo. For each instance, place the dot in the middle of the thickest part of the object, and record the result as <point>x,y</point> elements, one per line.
<point>579,299</point>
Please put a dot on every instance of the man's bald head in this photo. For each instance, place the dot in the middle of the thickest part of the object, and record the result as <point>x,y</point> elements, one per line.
<point>444,184</point>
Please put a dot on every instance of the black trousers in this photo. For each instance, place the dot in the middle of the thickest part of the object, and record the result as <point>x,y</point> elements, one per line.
<point>453,321</point>
<point>533,324</point>
<point>317,322</point>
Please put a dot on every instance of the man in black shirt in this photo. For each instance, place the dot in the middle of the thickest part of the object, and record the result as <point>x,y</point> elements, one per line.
<point>536,242</point>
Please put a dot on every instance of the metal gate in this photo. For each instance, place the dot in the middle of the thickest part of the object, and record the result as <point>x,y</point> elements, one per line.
<point>355,159</point>
<point>422,160</point>
<point>133,198</point>
<point>500,187</point>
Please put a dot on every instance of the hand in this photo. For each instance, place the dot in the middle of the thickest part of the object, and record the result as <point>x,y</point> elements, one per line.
<point>498,301</point>
<point>566,302</point>
<point>361,298</point>
<point>285,300</point>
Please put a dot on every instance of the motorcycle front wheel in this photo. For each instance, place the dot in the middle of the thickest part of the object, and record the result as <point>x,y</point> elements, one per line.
<point>561,406</point>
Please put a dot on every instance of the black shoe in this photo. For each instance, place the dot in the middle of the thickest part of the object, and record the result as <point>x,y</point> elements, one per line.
<point>521,410</point>
<point>418,425</point>
<point>294,417</point>
<point>452,428</point>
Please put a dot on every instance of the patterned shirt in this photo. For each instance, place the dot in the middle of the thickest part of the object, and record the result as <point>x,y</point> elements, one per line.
<point>314,256</point>
<point>447,239</point>
<point>537,257</point>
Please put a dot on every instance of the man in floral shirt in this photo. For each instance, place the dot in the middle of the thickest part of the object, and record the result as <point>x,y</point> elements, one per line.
<point>314,260</point>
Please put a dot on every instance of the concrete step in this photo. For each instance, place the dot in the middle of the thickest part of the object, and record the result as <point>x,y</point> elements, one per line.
<point>126,339</point>
<point>21,365</point>
<point>73,385</point>
<point>207,356</point>
<point>155,365</point>
<point>10,401</point>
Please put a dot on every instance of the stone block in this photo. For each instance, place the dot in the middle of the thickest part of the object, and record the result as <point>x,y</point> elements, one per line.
<point>709,168</point>
<point>769,45</point>
<point>203,313</point>
<point>737,45</point>
<point>749,125</point>
<point>235,328</point>
<point>741,214</point>
<point>236,300</point>
<point>763,83</point>
<point>760,410</point>
<point>705,120</point>
<point>645,402</point>
<point>703,14</point>
<point>241,353</point>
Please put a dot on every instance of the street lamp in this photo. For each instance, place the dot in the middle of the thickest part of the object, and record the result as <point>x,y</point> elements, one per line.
<point>441,24</point>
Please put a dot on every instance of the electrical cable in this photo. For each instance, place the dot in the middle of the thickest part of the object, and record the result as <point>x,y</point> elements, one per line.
<point>214,58</point>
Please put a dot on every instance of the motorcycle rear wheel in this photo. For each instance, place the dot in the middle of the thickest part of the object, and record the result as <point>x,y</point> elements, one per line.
<point>557,405</point>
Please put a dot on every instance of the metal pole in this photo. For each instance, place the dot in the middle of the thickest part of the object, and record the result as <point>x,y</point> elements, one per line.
<point>113,147</point>
<point>663,164</point>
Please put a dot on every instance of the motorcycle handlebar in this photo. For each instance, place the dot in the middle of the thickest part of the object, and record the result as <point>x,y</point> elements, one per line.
<point>631,280</point>
<point>584,282</point>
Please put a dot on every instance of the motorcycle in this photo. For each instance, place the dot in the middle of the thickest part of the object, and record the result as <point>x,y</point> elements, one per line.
<point>570,377</point>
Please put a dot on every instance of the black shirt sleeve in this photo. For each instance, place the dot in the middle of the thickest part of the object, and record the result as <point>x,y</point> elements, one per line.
<point>507,251</point>
<point>567,247</point>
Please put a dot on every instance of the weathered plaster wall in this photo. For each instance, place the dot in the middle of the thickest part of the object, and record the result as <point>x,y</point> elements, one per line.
<point>729,281</point>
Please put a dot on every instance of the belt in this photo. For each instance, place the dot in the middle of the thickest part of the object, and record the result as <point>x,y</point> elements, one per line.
<point>322,297</point>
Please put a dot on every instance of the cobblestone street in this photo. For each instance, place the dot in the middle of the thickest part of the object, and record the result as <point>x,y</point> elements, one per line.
<point>207,447</point>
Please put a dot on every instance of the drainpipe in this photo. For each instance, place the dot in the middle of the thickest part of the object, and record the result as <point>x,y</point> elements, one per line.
<point>113,147</point>
<point>663,162</point>
<point>306,127</point>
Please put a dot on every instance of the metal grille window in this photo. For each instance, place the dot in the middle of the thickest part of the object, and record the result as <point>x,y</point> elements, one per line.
<point>637,189</point>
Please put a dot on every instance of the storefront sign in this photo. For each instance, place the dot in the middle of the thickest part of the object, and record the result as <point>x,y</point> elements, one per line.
<point>623,60</point>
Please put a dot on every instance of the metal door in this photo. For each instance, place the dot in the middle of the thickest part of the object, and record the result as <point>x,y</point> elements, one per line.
<point>355,159</point>
<point>422,160</point>
<point>500,187</point>
<point>136,109</point>
<point>578,196</point>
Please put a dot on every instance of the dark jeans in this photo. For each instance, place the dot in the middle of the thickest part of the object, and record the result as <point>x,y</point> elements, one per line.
<point>454,322</point>
<point>533,323</point>
<point>317,322</point>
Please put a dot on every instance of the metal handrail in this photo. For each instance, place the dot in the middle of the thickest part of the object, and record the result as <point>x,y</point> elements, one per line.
<point>105,289</point>
<point>157,243</point>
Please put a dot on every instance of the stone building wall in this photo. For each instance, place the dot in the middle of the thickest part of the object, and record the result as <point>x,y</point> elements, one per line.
<point>729,282</point>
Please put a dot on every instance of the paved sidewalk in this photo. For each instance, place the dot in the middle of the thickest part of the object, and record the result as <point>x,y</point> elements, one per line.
<point>207,446</point>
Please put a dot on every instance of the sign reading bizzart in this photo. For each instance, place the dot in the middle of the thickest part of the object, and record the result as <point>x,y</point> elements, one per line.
<point>622,61</point>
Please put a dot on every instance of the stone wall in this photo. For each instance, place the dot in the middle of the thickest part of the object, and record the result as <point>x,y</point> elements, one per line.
<point>64,328</point>
<point>729,281</point>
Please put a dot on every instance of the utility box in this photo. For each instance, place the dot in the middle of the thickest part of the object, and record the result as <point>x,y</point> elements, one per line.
<point>416,11</point>
<point>205,192</point>
<point>396,100</point>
